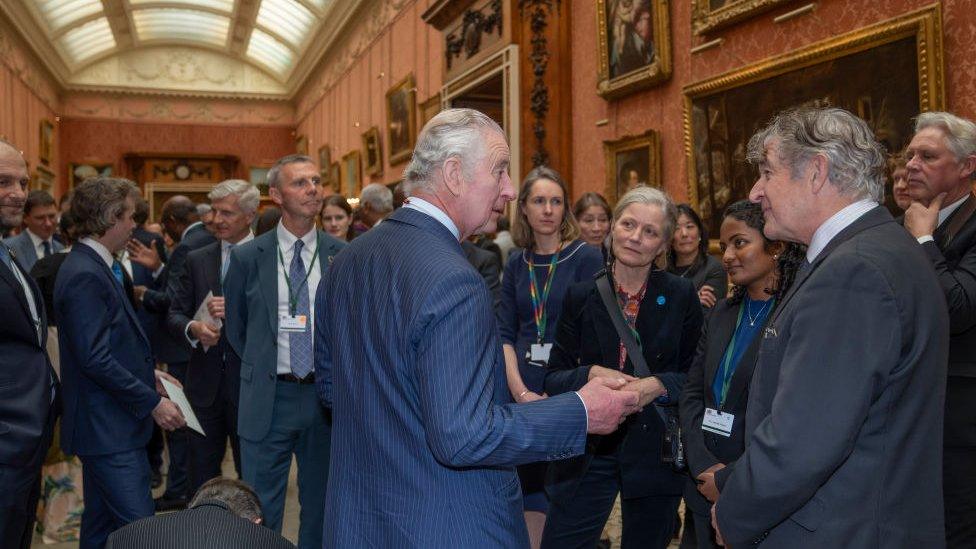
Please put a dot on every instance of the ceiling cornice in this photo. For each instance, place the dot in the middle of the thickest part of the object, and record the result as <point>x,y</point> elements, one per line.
<point>35,37</point>
<point>328,36</point>
<point>124,90</point>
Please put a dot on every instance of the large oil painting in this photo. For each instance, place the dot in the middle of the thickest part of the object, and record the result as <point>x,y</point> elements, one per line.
<point>635,45</point>
<point>401,119</point>
<point>631,162</point>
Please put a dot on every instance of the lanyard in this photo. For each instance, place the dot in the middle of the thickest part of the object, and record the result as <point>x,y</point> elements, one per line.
<point>293,295</point>
<point>539,303</point>
<point>727,371</point>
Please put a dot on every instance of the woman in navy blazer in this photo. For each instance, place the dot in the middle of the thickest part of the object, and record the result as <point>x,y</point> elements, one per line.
<point>719,378</point>
<point>665,313</point>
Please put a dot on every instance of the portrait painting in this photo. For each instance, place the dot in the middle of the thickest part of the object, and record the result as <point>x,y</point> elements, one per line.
<point>372,151</point>
<point>352,176</point>
<point>709,15</point>
<point>864,72</point>
<point>301,144</point>
<point>635,45</point>
<point>335,177</point>
<point>632,161</point>
<point>47,142</point>
<point>80,171</point>
<point>325,158</point>
<point>401,119</point>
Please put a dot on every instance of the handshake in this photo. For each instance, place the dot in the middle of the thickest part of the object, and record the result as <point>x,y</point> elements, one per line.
<point>610,396</point>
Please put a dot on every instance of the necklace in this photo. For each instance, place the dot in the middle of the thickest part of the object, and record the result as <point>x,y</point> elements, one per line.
<point>753,319</point>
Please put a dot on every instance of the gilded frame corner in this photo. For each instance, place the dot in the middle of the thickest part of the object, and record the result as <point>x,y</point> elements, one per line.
<point>705,20</point>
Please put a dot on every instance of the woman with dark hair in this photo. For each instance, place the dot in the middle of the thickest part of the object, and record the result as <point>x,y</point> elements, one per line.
<point>689,258</point>
<point>593,215</point>
<point>713,403</point>
<point>536,278</point>
<point>336,217</point>
<point>663,314</point>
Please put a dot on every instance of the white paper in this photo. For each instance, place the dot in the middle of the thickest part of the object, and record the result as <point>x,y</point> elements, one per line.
<point>203,315</point>
<point>179,398</point>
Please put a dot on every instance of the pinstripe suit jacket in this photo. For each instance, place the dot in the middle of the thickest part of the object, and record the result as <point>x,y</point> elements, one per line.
<point>425,437</point>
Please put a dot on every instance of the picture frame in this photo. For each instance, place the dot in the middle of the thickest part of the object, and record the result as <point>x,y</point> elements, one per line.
<point>428,109</point>
<point>352,176</point>
<point>43,180</point>
<point>79,171</point>
<point>335,177</point>
<point>717,128</point>
<point>325,158</point>
<point>301,144</point>
<point>258,176</point>
<point>632,161</point>
<point>634,46</point>
<point>46,150</point>
<point>401,119</point>
<point>711,15</point>
<point>372,151</point>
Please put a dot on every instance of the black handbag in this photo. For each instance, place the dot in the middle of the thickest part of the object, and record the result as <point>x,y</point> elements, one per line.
<point>673,450</point>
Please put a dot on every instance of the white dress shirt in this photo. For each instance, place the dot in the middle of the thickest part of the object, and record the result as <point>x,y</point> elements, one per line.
<point>100,249</point>
<point>944,214</point>
<point>38,243</point>
<point>423,206</point>
<point>835,224</point>
<point>286,245</point>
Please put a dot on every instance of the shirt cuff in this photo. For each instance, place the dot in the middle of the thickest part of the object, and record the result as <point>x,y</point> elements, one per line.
<point>585,412</point>
<point>158,271</point>
<point>925,238</point>
<point>186,331</point>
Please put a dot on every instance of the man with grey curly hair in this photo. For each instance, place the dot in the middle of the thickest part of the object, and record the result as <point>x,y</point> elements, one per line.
<point>844,419</point>
<point>941,166</point>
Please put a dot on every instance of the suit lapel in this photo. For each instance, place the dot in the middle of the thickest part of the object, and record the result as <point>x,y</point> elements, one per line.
<point>268,276</point>
<point>718,340</point>
<point>18,290</point>
<point>743,372</point>
<point>653,311</point>
<point>212,267</point>
<point>960,221</point>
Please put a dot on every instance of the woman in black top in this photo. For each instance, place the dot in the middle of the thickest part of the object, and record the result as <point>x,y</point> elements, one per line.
<point>688,258</point>
<point>713,403</point>
<point>663,312</point>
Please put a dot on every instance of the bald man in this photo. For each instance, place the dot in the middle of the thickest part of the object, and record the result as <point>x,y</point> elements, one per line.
<point>28,385</point>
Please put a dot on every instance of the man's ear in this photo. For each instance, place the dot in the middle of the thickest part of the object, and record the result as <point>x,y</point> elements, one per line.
<point>275,195</point>
<point>967,168</point>
<point>453,175</point>
<point>818,169</point>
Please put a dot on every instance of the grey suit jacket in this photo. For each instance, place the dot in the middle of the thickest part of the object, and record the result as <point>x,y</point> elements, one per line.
<point>251,310</point>
<point>23,248</point>
<point>844,420</point>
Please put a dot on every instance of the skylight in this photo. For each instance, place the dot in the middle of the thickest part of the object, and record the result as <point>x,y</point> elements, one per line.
<point>270,52</point>
<point>88,40</point>
<point>226,6</point>
<point>181,24</point>
<point>286,18</point>
<point>60,13</point>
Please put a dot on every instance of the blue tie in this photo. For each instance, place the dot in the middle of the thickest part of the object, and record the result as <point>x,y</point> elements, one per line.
<point>300,343</point>
<point>117,271</point>
<point>5,256</point>
<point>47,248</point>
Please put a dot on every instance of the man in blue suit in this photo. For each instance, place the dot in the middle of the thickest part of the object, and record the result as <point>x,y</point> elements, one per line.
<point>426,437</point>
<point>37,238</point>
<point>111,391</point>
<point>269,295</point>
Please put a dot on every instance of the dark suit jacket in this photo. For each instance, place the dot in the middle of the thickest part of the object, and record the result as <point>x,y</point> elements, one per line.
<point>172,345</point>
<point>207,525</point>
<point>45,272</point>
<point>25,372</point>
<point>23,246</point>
<point>488,265</point>
<point>705,449</point>
<point>206,369</point>
<point>106,362</point>
<point>142,276</point>
<point>669,323</point>
<point>844,420</point>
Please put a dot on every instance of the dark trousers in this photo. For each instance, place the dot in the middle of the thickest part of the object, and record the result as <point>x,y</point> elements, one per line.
<point>219,421</point>
<point>177,481</point>
<point>959,491</point>
<point>154,449</point>
<point>116,493</point>
<point>20,488</point>
<point>578,521</point>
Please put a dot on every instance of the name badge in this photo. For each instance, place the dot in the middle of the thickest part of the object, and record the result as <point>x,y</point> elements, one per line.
<point>289,323</point>
<point>717,422</point>
<point>539,352</point>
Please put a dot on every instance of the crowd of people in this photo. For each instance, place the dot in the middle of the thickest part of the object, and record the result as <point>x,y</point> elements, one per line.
<point>445,379</point>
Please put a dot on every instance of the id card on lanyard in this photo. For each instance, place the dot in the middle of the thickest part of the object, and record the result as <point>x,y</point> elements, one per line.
<point>294,322</point>
<point>539,351</point>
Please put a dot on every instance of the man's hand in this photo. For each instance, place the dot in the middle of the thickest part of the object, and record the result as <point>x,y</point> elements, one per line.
<point>160,375</point>
<point>718,535</point>
<point>147,256</point>
<point>529,396</point>
<point>648,388</point>
<point>606,407</point>
<point>708,487</point>
<point>600,371</point>
<point>206,333</point>
<point>216,307</point>
<point>707,296</point>
<point>138,292</point>
<point>168,415</point>
<point>922,221</point>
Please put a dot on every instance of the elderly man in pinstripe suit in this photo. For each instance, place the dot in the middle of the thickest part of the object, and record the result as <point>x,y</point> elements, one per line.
<point>425,436</point>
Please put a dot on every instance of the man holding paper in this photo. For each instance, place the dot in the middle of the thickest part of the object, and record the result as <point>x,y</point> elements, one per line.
<point>213,375</point>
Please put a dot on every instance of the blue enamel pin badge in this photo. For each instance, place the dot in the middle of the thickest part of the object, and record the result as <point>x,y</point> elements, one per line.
<point>661,300</point>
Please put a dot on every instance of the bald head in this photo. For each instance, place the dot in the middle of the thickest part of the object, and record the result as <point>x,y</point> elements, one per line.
<point>13,186</point>
<point>179,212</point>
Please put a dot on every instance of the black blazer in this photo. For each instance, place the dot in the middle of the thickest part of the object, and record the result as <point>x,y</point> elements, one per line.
<point>705,449</point>
<point>206,525</point>
<point>25,372</point>
<point>207,368</point>
<point>489,265</point>
<point>669,323</point>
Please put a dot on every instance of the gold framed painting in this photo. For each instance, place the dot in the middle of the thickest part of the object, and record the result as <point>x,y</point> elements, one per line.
<point>709,15</point>
<point>401,119</point>
<point>46,150</point>
<point>43,180</point>
<point>335,177</point>
<point>428,109</point>
<point>352,175</point>
<point>325,157</point>
<point>865,72</point>
<point>632,161</point>
<point>80,171</point>
<point>372,151</point>
<point>301,144</point>
<point>634,50</point>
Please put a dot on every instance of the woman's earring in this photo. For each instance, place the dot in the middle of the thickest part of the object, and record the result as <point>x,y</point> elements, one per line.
<point>775,257</point>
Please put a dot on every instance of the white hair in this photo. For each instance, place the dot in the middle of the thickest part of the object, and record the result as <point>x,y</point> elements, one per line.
<point>451,133</point>
<point>248,196</point>
<point>960,134</point>
<point>379,197</point>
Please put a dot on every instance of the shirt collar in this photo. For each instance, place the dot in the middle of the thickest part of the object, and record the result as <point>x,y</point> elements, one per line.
<point>286,240</point>
<point>946,211</point>
<point>423,206</point>
<point>36,240</point>
<point>100,249</point>
<point>186,230</point>
<point>247,238</point>
<point>835,224</point>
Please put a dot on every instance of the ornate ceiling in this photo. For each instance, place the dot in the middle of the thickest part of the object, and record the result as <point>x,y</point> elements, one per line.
<point>236,48</point>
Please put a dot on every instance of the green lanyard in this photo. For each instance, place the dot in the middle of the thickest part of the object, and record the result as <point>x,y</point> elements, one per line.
<point>539,302</point>
<point>729,353</point>
<point>293,295</point>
